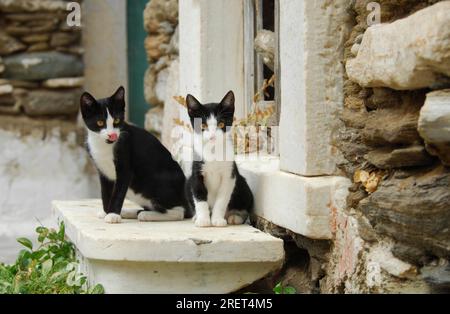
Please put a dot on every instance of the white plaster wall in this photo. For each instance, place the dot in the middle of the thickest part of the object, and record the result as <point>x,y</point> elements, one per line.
<point>105,42</point>
<point>34,170</point>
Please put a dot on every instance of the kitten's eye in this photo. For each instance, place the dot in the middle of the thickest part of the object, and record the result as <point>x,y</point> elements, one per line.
<point>116,120</point>
<point>204,126</point>
<point>221,125</point>
<point>100,123</point>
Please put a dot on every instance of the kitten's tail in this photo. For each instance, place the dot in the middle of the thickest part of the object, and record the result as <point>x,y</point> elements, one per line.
<point>174,214</point>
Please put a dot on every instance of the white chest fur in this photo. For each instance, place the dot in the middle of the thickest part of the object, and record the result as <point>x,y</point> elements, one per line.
<point>103,155</point>
<point>217,176</point>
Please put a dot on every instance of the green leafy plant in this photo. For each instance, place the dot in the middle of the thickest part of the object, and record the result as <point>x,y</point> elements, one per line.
<point>50,268</point>
<point>280,289</point>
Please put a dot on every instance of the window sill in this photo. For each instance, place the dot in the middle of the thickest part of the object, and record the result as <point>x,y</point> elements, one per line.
<point>301,204</point>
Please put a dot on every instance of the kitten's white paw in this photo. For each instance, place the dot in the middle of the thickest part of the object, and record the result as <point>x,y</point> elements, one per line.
<point>235,220</point>
<point>203,221</point>
<point>101,214</point>
<point>218,222</point>
<point>113,218</point>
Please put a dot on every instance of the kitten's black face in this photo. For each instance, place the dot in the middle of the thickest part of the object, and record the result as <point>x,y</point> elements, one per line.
<point>212,117</point>
<point>105,117</point>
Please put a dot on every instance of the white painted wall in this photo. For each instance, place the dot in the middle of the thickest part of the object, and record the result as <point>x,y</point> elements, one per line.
<point>34,171</point>
<point>105,42</point>
<point>211,50</point>
<point>311,51</point>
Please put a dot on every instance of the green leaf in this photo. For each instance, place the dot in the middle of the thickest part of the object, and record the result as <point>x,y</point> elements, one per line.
<point>41,237</point>
<point>289,290</point>
<point>51,268</point>
<point>24,259</point>
<point>25,242</point>
<point>36,255</point>
<point>97,289</point>
<point>277,289</point>
<point>41,229</point>
<point>56,275</point>
<point>47,266</point>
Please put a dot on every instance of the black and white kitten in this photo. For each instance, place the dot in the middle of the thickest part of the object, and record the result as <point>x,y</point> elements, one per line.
<point>131,162</point>
<point>216,190</point>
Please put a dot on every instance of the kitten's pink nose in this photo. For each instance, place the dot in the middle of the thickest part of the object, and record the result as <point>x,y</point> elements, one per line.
<point>112,137</point>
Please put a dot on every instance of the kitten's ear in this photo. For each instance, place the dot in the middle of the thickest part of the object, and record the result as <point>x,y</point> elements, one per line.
<point>119,95</point>
<point>228,102</point>
<point>192,104</point>
<point>87,101</point>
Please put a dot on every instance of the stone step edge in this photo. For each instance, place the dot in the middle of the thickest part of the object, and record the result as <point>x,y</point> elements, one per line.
<point>84,231</point>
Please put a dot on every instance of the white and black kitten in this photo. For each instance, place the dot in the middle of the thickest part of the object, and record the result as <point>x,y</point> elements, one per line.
<point>216,190</point>
<point>131,162</point>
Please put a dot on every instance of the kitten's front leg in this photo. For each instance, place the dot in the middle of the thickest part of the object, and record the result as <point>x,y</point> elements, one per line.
<point>200,195</point>
<point>202,216</point>
<point>123,178</point>
<point>106,188</point>
<point>118,197</point>
<point>223,199</point>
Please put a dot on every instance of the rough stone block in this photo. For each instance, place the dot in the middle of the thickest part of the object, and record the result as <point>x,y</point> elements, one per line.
<point>64,82</point>
<point>64,39</point>
<point>32,5</point>
<point>46,102</point>
<point>413,210</point>
<point>42,65</point>
<point>385,158</point>
<point>410,53</point>
<point>153,120</point>
<point>6,89</point>
<point>158,11</point>
<point>9,45</point>
<point>434,122</point>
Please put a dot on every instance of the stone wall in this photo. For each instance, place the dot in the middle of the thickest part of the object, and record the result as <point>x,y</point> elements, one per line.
<point>394,235</point>
<point>161,45</point>
<point>41,65</point>
<point>41,147</point>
